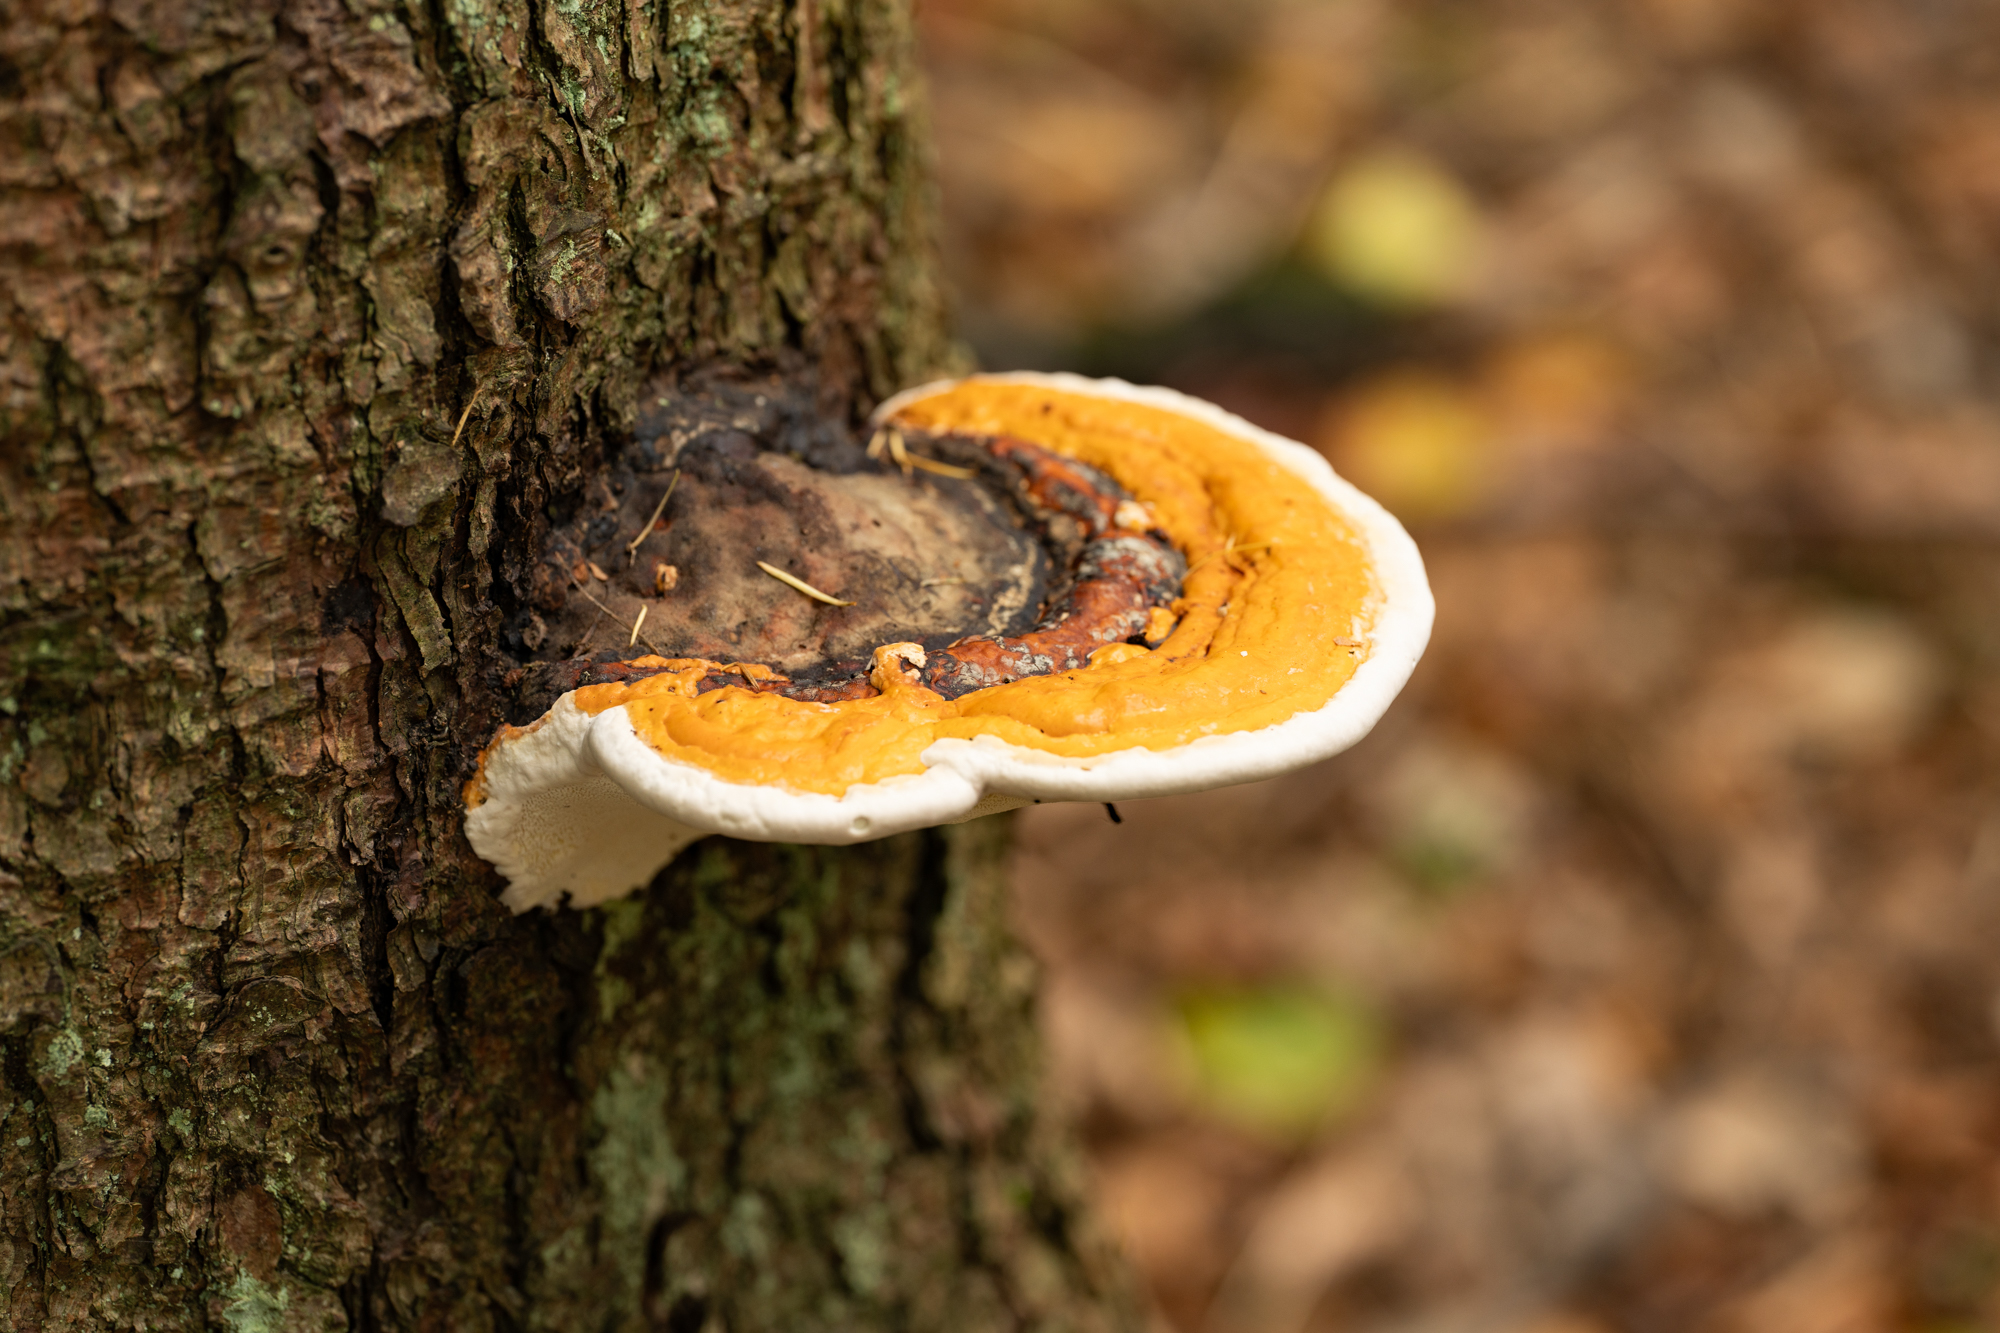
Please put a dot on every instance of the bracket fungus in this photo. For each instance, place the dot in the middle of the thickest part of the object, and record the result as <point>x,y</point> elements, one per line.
<point>1029,588</point>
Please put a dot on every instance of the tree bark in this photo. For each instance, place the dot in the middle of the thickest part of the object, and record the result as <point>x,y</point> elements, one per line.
<point>313,318</point>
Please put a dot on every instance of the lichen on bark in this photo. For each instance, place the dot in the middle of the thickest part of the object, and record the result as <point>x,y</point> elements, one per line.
<point>313,318</point>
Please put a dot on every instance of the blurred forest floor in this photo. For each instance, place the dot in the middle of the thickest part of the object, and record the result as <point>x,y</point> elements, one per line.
<point>1642,971</point>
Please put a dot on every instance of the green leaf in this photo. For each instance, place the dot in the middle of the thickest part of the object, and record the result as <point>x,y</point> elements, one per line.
<point>1280,1059</point>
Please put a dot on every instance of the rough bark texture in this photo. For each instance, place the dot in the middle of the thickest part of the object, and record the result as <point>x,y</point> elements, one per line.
<point>313,321</point>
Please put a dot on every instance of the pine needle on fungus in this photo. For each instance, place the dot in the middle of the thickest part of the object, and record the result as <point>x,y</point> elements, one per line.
<point>941,469</point>
<point>632,549</point>
<point>636,636</point>
<point>899,453</point>
<point>792,581</point>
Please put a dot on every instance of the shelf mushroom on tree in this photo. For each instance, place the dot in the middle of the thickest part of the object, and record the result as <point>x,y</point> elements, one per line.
<point>1043,588</point>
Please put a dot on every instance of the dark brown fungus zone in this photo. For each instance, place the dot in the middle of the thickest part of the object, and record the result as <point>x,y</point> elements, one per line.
<point>1024,567</point>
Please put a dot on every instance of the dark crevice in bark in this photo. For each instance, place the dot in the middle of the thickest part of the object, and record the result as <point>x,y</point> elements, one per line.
<point>375,927</point>
<point>450,62</point>
<point>842,66</point>
<point>21,1083</point>
<point>653,1293</point>
<point>922,909</point>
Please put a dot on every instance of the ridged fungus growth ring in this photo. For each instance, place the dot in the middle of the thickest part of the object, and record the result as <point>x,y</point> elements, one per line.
<point>1188,602</point>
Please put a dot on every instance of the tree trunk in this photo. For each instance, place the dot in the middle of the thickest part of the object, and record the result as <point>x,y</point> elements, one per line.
<point>312,320</point>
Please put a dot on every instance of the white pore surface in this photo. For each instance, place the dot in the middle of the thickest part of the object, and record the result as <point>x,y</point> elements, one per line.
<point>581,805</point>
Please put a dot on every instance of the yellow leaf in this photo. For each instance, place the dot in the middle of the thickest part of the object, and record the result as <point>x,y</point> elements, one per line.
<point>1416,441</point>
<point>1397,229</point>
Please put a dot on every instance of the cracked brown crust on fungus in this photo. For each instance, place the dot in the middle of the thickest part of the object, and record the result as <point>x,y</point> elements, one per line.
<point>1058,562</point>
